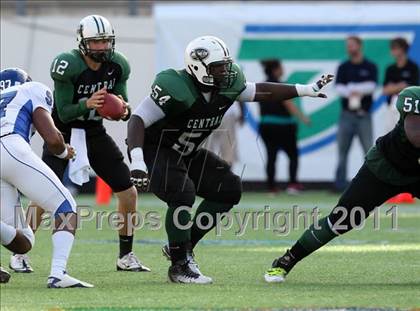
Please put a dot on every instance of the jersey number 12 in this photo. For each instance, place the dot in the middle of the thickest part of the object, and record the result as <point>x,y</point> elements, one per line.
<point>62,65</point>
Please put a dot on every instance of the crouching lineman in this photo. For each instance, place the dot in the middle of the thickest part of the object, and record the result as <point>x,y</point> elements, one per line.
<point>391,167</point>
<point>26,107</point>
<point>164,138</point>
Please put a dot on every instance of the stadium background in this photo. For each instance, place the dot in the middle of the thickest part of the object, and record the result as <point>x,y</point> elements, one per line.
<point>153,35</point>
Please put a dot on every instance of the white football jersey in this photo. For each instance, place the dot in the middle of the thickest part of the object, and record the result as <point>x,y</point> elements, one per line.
<point>17,105</point>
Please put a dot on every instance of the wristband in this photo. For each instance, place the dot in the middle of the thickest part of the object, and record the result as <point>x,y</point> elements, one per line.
<point>137,160</point>
<point>304,89</point>
<point>63,155</point>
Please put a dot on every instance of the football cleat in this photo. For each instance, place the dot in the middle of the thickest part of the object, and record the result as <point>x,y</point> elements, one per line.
<point>275,275</point>
<point>20,263</point>
<point>280,268</point>
<point>130,262</point>
<point>190,258</point>
<point>66,281</point>
<point>182,273</point>
<point>4,275</point>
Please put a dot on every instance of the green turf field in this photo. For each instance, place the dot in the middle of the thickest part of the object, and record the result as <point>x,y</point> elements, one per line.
<point>363,269</point>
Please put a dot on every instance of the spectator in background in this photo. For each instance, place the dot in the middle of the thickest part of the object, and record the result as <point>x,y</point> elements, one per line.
<point>278,130</point>
<point>355,83</point>
<point>404,72</point>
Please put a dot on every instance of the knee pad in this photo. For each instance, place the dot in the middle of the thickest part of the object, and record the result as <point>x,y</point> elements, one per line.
<point>29,235</point>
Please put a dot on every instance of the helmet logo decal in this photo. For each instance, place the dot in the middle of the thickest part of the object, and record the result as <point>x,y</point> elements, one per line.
<point>199,54</point>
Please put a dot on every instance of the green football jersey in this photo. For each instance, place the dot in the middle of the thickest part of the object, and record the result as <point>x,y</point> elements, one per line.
<point>75,82</point>
<point>394,159</point>
<point>189,118</point>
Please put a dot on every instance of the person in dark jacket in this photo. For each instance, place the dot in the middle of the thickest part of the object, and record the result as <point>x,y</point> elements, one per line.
<point>278,129</point>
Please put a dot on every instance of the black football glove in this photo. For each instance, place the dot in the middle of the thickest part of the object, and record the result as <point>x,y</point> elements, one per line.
<point>318,85</point>
<point>140,180</point>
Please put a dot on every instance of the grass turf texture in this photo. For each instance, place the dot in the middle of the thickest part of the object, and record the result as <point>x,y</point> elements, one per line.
<point>364,269</point>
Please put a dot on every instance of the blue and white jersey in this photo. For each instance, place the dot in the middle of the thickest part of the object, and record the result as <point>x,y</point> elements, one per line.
<point>17,105</point>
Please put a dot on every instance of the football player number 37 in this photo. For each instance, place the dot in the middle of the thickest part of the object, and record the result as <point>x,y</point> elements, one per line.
<point>156,95</point>
<point>59,66</point>
<point>409,106</point>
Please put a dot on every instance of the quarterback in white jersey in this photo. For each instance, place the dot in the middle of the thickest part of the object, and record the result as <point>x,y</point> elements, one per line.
<point>25,106</point>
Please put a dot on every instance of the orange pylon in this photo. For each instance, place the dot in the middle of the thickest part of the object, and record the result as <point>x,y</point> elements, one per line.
<point>103,192</point>
<point>402,198</point>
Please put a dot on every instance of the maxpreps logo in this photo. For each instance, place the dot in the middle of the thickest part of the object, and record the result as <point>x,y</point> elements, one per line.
<point>309,51</point>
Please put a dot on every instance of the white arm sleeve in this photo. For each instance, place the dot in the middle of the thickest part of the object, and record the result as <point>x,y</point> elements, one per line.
<point>248,94</point>
<point>148,111</point>
<point>365,88</point>
<point>40,95</point>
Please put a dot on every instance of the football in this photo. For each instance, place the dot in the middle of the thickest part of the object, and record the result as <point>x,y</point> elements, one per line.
<point>113,107</point>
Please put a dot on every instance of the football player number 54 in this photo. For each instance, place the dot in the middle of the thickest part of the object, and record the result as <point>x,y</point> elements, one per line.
<point>185,146</point>
<point>156,95</point>
<point>62,65</point>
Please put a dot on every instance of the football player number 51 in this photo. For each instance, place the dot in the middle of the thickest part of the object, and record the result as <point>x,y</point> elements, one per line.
<point>408,105</point>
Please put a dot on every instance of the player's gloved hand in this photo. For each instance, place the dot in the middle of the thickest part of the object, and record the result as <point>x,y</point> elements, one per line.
<point>313,90</point>
<point>140,179</point>
<point>138,169</point>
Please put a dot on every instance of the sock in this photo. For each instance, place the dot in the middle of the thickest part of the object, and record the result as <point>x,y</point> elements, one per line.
<point>62,244</point>
<point>178,238</point>
<point>309,242</point>
<point>313,239</point>
<point>212,208</point>
<point>126,245</point>
<point>178,251</point>
<point>7,233</point>
<point>176,234</point>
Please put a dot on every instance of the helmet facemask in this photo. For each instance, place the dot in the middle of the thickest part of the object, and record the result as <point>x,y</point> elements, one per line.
<point>221,74</point>
<point>99,56</point>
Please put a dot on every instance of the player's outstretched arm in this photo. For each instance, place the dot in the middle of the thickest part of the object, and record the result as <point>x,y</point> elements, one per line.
<point>44,124</point>
<point>273,92</point>
<point>412,129</point>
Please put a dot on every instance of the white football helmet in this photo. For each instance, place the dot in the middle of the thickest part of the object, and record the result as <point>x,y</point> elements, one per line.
<point>96,27</point>
<point>207,59</point>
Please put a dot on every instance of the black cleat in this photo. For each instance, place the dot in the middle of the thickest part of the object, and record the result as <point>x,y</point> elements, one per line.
<point>182,273</point>
<point>4,275</point>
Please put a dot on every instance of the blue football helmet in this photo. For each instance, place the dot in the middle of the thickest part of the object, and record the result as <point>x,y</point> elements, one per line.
<point>13,76</point>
